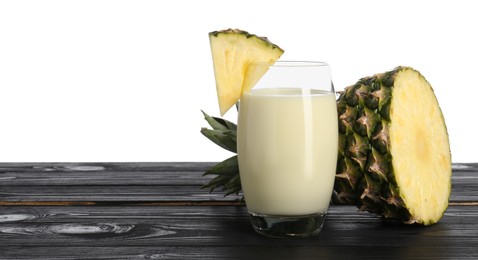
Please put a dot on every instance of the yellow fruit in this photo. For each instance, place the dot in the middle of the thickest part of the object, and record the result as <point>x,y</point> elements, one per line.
<point>232,51</point>
<point>394,153</point>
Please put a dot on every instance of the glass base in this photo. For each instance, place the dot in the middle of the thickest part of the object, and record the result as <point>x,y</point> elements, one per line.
<point>287,226</point>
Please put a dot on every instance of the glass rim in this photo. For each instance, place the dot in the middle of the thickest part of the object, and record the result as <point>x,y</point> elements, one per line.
<point>293,63</point>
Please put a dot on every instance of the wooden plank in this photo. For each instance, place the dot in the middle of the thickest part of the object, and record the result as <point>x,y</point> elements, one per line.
<point>237,252</point>
<point>464,183</point>
<point>144,184</point>
<point>222,232</point>
<point>104,166</point>
<point>100,193</point>
<point>110,178</point>
<point>465,192</point>
<point>186,173</point>
<point>103,173</point>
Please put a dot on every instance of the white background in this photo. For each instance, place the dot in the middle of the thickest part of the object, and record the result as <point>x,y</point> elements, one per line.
<point>126,80</point>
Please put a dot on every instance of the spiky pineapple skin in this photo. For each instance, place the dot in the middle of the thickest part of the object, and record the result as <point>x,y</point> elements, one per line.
<point>365,173</point>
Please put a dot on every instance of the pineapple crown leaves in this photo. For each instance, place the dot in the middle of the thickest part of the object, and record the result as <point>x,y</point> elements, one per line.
<point>223,133</point>
<point>227,177</point>
<point>219,123</point>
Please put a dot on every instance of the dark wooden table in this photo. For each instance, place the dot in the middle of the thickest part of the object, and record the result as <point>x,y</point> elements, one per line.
<point>158,211</point>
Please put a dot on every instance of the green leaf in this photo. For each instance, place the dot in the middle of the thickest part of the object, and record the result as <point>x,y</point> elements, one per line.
<point>224,138</point>
<point>227,178</point>
<point>218,123</point>
<point>224,134</point>
<point>233,186</point>
<point>227,166</point>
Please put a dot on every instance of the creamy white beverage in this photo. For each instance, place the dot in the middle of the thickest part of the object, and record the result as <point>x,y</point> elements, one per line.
<point>287,149</point>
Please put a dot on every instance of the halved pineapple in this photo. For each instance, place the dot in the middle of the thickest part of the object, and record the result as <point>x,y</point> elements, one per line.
<point>394,152</point>
<point>232,51</point>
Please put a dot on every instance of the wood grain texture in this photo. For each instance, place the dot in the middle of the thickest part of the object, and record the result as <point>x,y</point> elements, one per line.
<point>158,211</point>
<point>27,174</point>
<point>109,193</point>
<point>207,231</point>
<point>237,252</point>
<point>145,182</point>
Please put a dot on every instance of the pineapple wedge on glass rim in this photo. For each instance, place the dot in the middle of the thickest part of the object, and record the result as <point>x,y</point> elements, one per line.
<point>232,51</point>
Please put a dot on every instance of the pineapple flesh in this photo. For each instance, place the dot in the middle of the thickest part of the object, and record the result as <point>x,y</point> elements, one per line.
<point>232,51</point>
<point>394,153</point>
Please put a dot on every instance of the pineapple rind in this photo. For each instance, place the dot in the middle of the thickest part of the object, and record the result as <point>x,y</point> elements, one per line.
<point>379,186</point>
<point>261,39</point>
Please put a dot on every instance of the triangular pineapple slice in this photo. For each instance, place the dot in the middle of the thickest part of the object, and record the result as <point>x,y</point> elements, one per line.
<point>232,51</point>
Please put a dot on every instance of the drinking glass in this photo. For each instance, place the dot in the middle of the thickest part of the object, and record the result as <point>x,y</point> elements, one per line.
<point>287,147</point>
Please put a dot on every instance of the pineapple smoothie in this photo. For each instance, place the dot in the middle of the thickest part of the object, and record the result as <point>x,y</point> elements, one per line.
<point>287,149</point>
